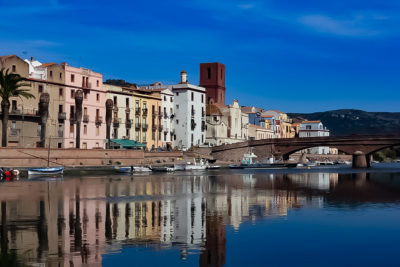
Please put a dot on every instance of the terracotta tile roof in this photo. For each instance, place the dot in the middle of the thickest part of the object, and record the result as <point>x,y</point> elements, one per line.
<point>45,65</point>
<point>311,121</point>
<point>277,111</point>
<point>212,109</point>
<point>266,116</point>
<point>8,56</point>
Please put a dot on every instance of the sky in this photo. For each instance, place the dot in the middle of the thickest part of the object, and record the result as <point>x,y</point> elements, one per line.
<point>290,55</point>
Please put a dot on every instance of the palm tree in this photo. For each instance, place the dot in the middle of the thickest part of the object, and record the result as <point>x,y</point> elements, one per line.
<point>10,86</point>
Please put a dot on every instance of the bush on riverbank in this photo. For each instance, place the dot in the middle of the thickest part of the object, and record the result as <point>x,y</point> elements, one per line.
<point>388,154</point>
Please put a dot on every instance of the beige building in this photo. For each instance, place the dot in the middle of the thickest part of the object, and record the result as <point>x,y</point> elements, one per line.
<point>259,132</point>
<point>226,124</point>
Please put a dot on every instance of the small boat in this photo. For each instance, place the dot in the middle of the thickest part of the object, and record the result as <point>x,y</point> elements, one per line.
<point>213,167</point>
<point>247,163</point>
<point>179,167</point>
<point>46,171</point>
<point>163,169</point>
<point>131,169</point>
<point>196,166</point>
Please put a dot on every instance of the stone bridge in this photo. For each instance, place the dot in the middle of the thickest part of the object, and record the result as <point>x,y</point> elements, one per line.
<point>360,146</point>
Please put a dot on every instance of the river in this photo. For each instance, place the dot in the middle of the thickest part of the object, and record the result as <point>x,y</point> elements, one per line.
<point>319,217</point>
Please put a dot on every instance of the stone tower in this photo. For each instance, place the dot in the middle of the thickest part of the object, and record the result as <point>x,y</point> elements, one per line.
<point>212,77</point>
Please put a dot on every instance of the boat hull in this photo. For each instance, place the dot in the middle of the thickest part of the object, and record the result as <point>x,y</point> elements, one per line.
<point>131,169</point>
<point>46,171</point>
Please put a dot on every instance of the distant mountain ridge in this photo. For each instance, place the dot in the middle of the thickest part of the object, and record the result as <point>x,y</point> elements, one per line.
<point>352,121</point>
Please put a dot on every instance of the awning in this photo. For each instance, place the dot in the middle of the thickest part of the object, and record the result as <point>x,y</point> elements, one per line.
<point>126,143</point>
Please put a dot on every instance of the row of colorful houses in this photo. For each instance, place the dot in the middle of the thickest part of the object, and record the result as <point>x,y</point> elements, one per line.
<point>156,116</point>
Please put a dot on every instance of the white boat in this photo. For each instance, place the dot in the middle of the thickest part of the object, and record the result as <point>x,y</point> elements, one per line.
<point>46,171</point>
<point>179,167</point>
<point>131,169</point>
<point>196,166</point>
<point>213,167</point>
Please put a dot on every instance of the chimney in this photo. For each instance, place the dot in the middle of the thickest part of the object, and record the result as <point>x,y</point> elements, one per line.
<point>184,77</point>
<point>32,59</point>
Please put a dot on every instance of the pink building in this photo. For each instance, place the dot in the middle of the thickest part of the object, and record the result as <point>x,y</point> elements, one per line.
<point>93,128</point>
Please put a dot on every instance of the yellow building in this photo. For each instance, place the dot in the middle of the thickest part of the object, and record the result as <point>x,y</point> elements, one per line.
<point>148,127</point>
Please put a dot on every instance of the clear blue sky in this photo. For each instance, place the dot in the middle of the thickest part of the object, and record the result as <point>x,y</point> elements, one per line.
<point>291,55</point>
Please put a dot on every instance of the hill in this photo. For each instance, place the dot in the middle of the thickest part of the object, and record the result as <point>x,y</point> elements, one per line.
<point>351,121</point>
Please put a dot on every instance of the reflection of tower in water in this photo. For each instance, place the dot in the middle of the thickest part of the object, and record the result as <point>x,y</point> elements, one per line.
<point>215,247</point>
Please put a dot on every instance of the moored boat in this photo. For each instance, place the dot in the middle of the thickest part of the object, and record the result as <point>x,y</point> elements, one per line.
<point>131,169</point>
<point>46,171</point>
<point>201,165</point>
<point>163,169</point>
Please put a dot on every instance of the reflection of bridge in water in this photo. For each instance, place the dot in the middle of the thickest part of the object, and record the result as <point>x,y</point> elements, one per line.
<point>76,221</point>
<point>360,146</point>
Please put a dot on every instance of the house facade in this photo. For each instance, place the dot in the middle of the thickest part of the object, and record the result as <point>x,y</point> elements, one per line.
<point>189,119</point>
<point>314,129</point>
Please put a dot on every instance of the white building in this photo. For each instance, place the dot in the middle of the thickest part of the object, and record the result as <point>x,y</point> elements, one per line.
<point>314,129</point>
<point>36,70</point>
<point>190,109</point>
<point>167,109</point>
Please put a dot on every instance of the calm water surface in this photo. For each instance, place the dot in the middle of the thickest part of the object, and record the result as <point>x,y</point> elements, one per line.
<point>319,217</point>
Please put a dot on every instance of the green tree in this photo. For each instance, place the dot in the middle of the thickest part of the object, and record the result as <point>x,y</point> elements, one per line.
<point>10,86</point>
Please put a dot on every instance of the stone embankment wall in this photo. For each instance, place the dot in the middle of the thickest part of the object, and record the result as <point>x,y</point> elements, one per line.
<point>37,157</point>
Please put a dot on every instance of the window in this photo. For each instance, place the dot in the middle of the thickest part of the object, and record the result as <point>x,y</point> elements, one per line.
<point>84,129</point>
<point>202,98</point>
<point>115,101</point>
<point>60,92</point>
<point>209,73</point>
<point>59,145</point>
<point>97,130</point>
<point>171,99</point>
<point>308,127</point>
<point>177,106</point>
<point>71,144</point>
<point>72,128</point>
<point>137,136</point>
<point>14,68</point>
<point>115,133</point>
<point>127,102</point>
<point>221,74</point>
<point>97,144</point>
<point>97,97</point>
<point>60,75</point>
<point>84,145</point>
<point>40,89</point>
<point>97,83</point>
<point>72,93</point>
<point>177,122</point>
<point>51,74</point>
<point>85,94</point>
<point>60,130</point>
<point>137,104</point>
<point>192,96</point>
<point>14,105</point>
<point>60,108</point>
<point>72,78</point>
<point>177,93</point>
<point>165,98</point>
<point>85,111</point>
<point>144,137</point>
<point>127,133</point>
<point>153,136</point>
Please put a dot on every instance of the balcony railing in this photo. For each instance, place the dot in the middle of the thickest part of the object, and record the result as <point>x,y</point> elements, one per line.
<point>137,125</point>
<point>116,122</point>
<point>160,114</point>
<point>14,132</point>
<point>145,126</point>
<point>203,114</point>
<point>128,123</point>
<point>193,112</point>
<point>115,107</point>
<point>62,116</point>
<point>160,127</point>
<point>99,120</point>
<point>85,118</point>
<point>193,125</point>
<point>166,115</point>
<point>154,127</point>
<point>137,111</point>
<point>203,126</point>
<point>144,111</point>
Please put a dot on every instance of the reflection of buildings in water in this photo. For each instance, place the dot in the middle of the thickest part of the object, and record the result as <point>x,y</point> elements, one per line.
<point>75,221</point>
<point>320,181</point>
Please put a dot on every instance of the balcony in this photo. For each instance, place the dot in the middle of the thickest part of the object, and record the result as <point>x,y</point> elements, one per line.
<point>160,128</point>
<point>160,114</point>
<point>193,125</point>
<point>154,114</point>
<point>115,107</point>
<point>166,116</point>
<point>62,116</point>
<point>116,122</point>
<point>203,114</point>
<point>154,127</point>
<point>145,126</point>
<point>128,124</point>
<point>137,126</point>
<point>193,112</point>
<point>85,118</point>
<point>99,120</point>
<point>137,111</point>
<point>144,111</point>
<point>72,119</point>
